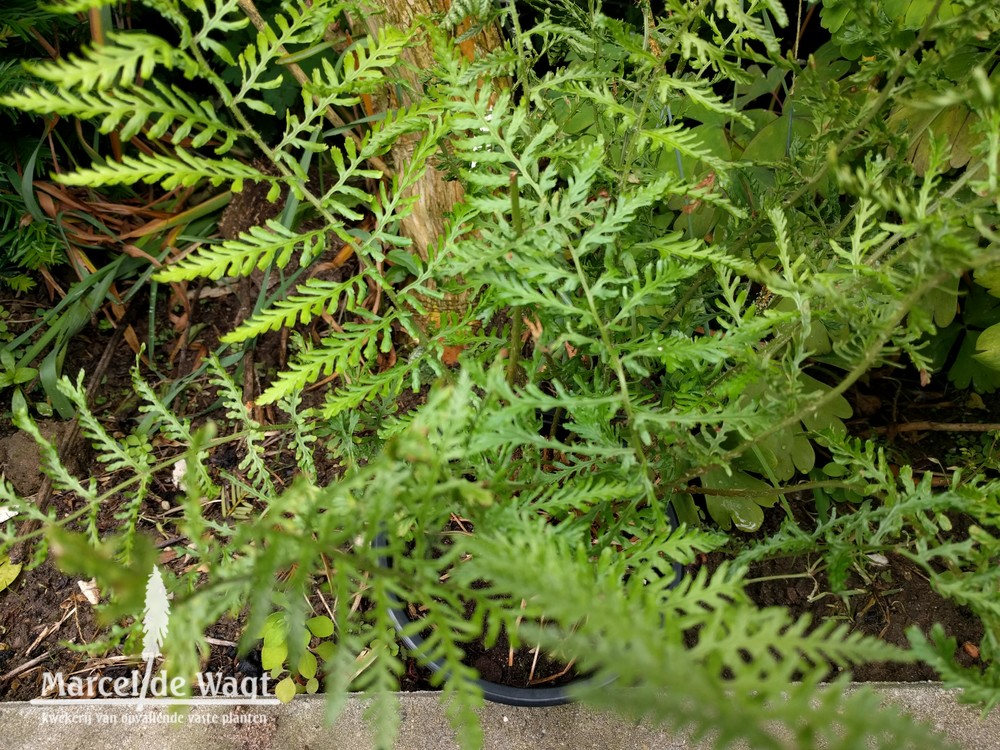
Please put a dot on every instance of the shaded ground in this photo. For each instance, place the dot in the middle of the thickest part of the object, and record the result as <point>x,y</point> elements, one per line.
<point>894,598</point>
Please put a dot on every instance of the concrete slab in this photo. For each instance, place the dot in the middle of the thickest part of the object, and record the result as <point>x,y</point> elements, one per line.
<point>424,727</point>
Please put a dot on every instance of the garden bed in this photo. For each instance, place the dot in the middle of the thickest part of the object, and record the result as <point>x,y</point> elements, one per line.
<point>45,608</point>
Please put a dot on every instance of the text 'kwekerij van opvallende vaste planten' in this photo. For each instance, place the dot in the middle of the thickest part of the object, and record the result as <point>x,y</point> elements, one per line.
<point>530,303</point>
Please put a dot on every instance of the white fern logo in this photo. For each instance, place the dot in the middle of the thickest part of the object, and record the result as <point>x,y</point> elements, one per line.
<point>155,620</point>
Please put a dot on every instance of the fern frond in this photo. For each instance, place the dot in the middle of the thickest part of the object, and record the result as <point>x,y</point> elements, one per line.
<point>567,496</point>
<point>701,94</point>
<point>236,409</point>
<point>186,169</point>
<point>298,24</point>
<point>386,384</point>
<point>752,26</point>
<point>259,247</point>
<point>462,9</point>
<point>110,451</point>
<point>71,6</point>
<point>621,214</point>
<point>757,650</point>
<point>132,109</point>
<point>180,431</point>
<point>396,124</point>
<point>312,299</point>
<point>365,61</point>
<point>219,17</point>
<point>302,434</point>
<point>338,352</point>
<point>124,60</point>
<point>59,474</point>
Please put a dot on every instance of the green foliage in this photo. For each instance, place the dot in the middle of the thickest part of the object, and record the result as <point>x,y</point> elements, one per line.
<point>670,288</point>
<point>755,647</point>
<point>27,242</point>
<point>280,645</point>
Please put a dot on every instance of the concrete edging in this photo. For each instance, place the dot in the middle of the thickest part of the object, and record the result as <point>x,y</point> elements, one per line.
<point>301,724</point>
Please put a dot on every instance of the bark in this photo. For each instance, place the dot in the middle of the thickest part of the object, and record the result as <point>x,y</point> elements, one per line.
<point>436,195</point>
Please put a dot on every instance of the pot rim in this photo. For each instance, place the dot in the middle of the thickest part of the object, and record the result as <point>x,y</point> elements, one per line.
<point>509,695</point>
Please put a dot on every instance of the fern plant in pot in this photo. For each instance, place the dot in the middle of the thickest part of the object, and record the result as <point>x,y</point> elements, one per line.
<point>654,288</point>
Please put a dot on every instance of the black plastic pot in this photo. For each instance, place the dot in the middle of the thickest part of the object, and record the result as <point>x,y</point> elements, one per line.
<point>506,694</point>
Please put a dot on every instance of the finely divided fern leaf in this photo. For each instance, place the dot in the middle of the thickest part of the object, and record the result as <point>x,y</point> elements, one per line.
<point>183,170</point>
<point>162,107</point>
<point>462,9</point>
<point>313,298</point>
<point>123,60</point>
<point>257,248</point>
<point>338,352</point>
<point>232,397</point>
<point>299,24</point>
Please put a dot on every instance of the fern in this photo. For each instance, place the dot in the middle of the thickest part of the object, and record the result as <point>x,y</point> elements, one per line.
<point>163,109</point>
<point>61,478</point>
<point>183,170</point>
<point>338,352</point>
<point>124,60</point>
<point>259,247</point>
<point>755,647</point>
<point>303,437</point>
<point>253,462</point>
<point>162,419</point>
<point>656,275</point>
<point>463,9</point>
<point>300,24</point>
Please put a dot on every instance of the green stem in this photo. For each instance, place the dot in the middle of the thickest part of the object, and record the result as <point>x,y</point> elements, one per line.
<point>516,323</point>
<point>635,441</point>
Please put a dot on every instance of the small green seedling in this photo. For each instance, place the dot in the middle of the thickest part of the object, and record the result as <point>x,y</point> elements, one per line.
<point>303,677</point>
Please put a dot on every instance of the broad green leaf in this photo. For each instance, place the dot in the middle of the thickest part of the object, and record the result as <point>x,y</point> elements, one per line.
<point>308,665</point>
<point>988,347</point>
<point>284,691</point>
<point>828,416</point>
<point>942,302</point>
<point>771,143</point>
<point>742,512</point>
<point>325,650</point>
<point>8,572</point>
<point>321,626</point>
<point>803,455</point>
<point>275,631</point>
<point>989,278</point>
<point>273,657</point>
<point>968,370</point>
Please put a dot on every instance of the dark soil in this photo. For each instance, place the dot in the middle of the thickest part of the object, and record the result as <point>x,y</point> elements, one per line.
<point>45,614</point>
<point>500,664</point>
<point>521,668</point>
<point>894,598</point>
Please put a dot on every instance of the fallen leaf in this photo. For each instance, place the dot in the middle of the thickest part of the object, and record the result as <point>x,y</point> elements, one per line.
<point>8,572</point>
<point>450,354</point>
<point>90,591</point>
<point>177,475</point>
